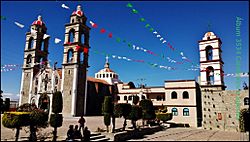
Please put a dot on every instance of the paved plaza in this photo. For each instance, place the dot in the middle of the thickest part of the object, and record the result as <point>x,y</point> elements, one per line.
<point>170,134</point>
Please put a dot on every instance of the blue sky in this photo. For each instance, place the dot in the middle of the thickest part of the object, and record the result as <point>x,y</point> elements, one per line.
<point>180,23</point>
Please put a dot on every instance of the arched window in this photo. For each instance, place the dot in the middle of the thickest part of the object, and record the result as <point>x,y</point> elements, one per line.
<point>158,98</point>
<point>130,98</point>
<point>70,56</point>
<point>36,81</point>
<point>173,95</point>
<point>143,97</point>
<point>82,38</point>
<point>72,21</point>
<point>110,75</point>
<point>107,75</point>
<point>28,60</point>
<point>71,36</point>
<point>31,43</point>
<point>174,111</point>
<point>81,54</point>
<point>56,80</point>
<point>103,75</point>
<point>185,112</point>
<point>118,97</point>
<point>185,95</point>
<point>35,90</point>
<point>42,45</point>
<point>246,101</point>
<point>210,75</point>
<point>125,98</point>
<point>209,53</point>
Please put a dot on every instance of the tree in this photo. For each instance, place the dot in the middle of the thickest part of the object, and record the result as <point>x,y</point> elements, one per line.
<point>56,119</point>
<point>107,110</point>
<point>245,87</point>
<point>7,104</point>
<point>122,110</point>
<point>131,85</point>
<point>148,112</point>
<point>16,120</point>
<point>135,114</point>
<point>37,118</point>
<point>135,99</point>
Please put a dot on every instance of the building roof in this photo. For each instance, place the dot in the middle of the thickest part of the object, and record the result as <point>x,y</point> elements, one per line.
<point>91,79</point>
<point>179,80</point>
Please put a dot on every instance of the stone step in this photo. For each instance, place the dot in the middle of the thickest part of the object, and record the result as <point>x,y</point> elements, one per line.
<point>94,134</point>
<point>97,137</point>
<point>102,139</point>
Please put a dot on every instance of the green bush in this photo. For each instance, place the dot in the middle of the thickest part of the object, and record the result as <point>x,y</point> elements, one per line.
<point>39,118</point>
<point>164,116</point>
<point>15,119</point>
<point>106,119</point>
<point>135,113</point>
<point>122,110</point>
<point>57,102</point>
<point>148,111</point>
<point>56,120</point>
<point>107,105</point>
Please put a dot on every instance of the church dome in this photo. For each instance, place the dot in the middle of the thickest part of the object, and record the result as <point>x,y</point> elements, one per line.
<point>38,21</point>
<point>209,35</point>
<point>78,12</point>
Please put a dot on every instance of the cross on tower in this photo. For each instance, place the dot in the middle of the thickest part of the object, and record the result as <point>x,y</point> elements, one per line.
<point>107,58</point>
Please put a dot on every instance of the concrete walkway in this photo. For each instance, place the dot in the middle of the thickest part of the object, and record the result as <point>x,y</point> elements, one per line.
<point>93,122</point>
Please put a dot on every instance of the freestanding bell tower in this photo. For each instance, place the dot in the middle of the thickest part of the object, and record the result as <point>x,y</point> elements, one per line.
<point>75,64</point>
<point>36,51</point>
<point>211,64</point>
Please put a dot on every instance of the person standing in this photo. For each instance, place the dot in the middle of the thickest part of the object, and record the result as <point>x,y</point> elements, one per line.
<point>81,121</point>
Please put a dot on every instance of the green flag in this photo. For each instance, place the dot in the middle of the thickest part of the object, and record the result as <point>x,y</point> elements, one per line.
<point>134,11</point>
<point>118,39</point>
<point>147,25</point>
<point>129,44</point>
<point>129,5</point>
<point>142,20</point>
<point>151,30</point>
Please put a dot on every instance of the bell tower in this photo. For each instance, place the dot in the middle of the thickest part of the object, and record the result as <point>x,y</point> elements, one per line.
<point>211,64</point>
<point>75,63</point>
<point>36,51</point>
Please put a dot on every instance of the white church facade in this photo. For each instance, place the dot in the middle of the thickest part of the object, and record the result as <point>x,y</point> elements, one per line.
<point>204,103</point>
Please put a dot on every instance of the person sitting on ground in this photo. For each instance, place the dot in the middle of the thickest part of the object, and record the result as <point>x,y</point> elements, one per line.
<point>77,133</point>
<point>70,133</point>
<point>86,134</point>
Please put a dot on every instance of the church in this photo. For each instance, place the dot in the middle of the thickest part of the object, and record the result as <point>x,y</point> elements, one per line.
<point>204,103</point>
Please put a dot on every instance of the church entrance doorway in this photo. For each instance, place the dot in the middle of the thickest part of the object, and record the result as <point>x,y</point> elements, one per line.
<point>44,102</point>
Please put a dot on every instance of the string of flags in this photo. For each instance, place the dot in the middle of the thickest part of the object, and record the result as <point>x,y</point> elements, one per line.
<point>133,60</point>
<point>10,67</point>
<point>133,46</point>
<point>156,33</point>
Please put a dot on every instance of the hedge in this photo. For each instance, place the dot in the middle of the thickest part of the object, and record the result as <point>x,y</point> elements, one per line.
<point>136,113</point>
<point>15,119</point>
<point>164,116</point>
<point>122,109</point>
<point>57,102</point>
<point>56,120</point>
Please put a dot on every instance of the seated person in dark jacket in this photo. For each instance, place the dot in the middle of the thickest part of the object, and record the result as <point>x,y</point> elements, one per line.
<point>86,134</point>
<point>70,133</point>
<point>77,133</point>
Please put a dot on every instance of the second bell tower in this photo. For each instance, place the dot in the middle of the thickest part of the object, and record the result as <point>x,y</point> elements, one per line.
<point>75,63</point>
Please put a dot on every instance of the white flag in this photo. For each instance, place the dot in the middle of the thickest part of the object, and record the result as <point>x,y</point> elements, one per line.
<point>19,25</point>
<point>45,36</point>
<point>64,6</point>
<point>57,40</point>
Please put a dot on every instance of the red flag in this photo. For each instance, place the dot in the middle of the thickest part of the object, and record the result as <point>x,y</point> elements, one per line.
<point>78,47</point>
<point>85,50</point>
<point>94,25</point>
<point>110,35</point>
<point>103,31</point>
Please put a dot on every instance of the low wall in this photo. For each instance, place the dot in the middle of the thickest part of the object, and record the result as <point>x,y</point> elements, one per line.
<point>139,133</point>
